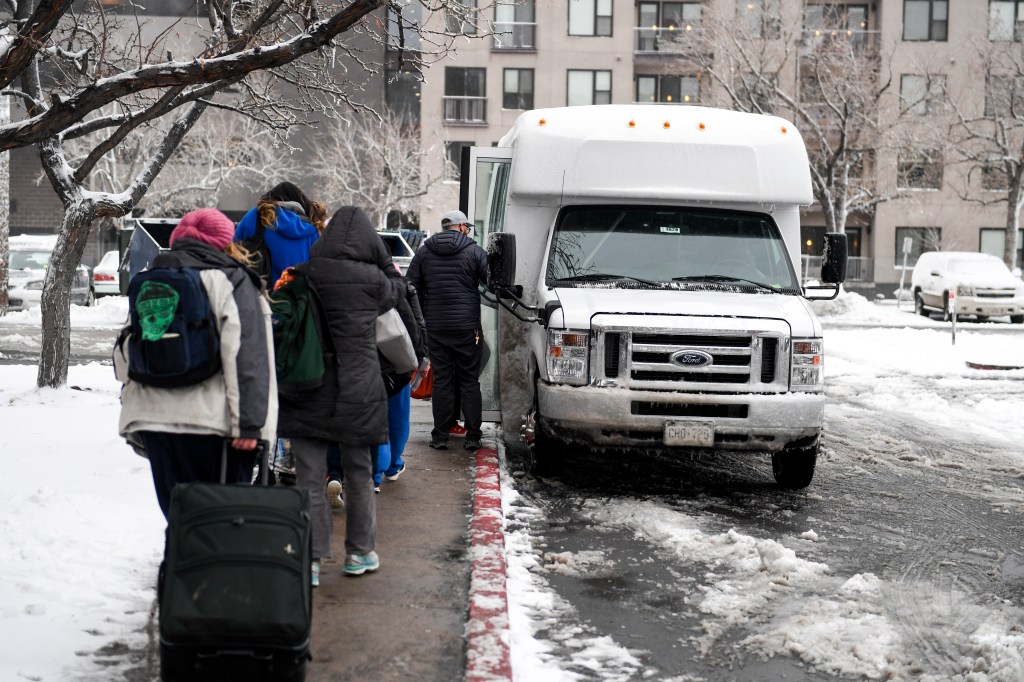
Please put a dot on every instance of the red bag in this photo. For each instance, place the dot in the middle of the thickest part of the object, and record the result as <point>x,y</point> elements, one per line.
<point>422,382</point>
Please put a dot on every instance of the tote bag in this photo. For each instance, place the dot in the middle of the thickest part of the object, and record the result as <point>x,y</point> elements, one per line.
<point>423,382</point>
<point>394,343</point>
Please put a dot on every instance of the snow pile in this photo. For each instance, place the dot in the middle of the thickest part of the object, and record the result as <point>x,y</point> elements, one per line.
<point>109,311</point>
<point>847,302</point>
<point>81,528</point>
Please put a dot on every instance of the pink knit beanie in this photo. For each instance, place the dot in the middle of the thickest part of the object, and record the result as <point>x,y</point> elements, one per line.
<point>206,225</point>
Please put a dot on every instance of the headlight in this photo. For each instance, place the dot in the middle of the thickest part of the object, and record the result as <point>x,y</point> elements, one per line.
<point>964,290</point>
<point>567,356</point>
<point>35,285</point>
<point>807,372</point>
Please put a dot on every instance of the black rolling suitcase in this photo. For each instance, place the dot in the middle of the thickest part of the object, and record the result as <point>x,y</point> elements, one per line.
<point>235,589</point>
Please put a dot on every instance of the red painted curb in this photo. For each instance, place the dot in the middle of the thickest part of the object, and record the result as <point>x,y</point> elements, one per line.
<point>487,633</point>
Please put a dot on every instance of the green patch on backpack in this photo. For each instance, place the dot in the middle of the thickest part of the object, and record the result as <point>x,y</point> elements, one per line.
<point>156,305</point>
<point>299,351</point>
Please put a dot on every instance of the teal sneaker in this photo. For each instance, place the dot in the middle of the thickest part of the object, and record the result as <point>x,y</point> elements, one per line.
<point>357,564</point>
<point>316,573</point>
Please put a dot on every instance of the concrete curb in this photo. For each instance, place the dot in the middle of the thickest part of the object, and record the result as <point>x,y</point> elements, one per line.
<point>487,633</point>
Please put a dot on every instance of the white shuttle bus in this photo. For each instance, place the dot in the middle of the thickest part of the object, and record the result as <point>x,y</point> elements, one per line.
<point>646,259</point>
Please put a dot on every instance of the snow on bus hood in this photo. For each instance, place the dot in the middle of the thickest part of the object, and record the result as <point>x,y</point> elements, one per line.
<point>579,305</point>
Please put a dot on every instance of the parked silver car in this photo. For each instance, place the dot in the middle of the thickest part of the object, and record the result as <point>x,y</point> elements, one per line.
<point>982,285</point>
<point>30,256</point>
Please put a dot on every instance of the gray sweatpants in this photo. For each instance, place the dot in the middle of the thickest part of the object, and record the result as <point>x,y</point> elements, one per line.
<point>360,505</point>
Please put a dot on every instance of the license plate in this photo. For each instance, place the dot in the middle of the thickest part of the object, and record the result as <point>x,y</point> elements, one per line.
<point>690,433</point>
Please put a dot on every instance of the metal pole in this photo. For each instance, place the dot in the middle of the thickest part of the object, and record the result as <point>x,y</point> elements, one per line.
<point>952,312</point>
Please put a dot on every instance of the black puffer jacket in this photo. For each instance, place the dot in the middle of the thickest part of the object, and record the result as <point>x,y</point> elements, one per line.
<point>446,271</point>
<point>344,266</point>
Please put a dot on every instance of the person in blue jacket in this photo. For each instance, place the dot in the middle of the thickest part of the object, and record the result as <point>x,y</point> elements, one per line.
<point>292,224</point>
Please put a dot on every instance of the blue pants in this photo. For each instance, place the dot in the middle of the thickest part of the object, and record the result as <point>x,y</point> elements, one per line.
<point>389,455</point>
<point>388,458</point>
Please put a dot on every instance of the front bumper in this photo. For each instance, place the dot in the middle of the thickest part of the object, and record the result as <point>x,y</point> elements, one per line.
<point>988,307</point>
<point>608,416</point>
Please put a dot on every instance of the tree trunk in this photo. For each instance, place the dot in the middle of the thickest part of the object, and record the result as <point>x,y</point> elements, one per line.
<point>1013,203</point>
<point>56,299</point>
<point>5,209</point>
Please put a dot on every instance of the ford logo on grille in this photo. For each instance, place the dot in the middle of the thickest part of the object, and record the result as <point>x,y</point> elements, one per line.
<point>691,358</point>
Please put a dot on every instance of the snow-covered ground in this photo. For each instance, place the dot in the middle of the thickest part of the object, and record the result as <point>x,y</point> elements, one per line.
<point>82,534</point>
<point>885,358</point>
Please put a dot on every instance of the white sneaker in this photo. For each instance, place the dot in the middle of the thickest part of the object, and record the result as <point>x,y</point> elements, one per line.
<point>334,493</point>
<point>394,476</point>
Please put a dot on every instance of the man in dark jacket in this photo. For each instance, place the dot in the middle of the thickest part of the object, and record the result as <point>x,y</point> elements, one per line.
<point>446,272</point>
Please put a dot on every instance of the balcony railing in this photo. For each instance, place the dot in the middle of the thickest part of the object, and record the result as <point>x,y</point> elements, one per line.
<point>815,40</point>
<point>857,269</point>
<point>465,109</point>
<point>515,35</point>
<point>671,40</point>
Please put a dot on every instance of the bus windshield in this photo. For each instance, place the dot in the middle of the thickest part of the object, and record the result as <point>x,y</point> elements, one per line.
<point>630,246</point>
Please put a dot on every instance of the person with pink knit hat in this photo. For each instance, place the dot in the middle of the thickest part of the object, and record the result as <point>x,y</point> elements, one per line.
<point>183,429</point>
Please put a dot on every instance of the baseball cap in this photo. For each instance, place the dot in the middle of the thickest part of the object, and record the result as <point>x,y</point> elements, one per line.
<point>454,218</point>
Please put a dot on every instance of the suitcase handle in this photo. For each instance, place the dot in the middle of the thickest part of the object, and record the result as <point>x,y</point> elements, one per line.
<point>262,457</point>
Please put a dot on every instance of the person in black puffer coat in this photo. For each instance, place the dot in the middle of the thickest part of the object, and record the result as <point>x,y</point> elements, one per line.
<point>446,272</point>
<point>350,408</point>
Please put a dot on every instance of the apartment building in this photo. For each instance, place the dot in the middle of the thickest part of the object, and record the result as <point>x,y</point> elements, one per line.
<point>547,53</point>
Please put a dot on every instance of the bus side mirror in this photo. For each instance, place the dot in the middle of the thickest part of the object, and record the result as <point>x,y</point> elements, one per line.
<point>833,258</point>
<point>501,261</point>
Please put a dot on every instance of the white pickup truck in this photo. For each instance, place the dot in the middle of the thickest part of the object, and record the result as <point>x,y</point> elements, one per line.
<point>644,258</point>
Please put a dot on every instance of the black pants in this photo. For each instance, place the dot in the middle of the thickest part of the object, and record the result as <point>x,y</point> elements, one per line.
<point>187,457</point>
<point>456,358</point>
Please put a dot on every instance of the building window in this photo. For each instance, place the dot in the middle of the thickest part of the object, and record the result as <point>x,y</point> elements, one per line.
<point>1006,20</point>
<point>1004,96</point>
<point>672,89</point>
<point>453,160</point>
<point>402,93</point>
<point>515,25</point>
<point>925,19</point>
<point>590,17</point>
<point>836,17</point>
<point>404,20</point>
<point>920,170</point>
<point>517,91</point>
<point>460,17</point>
<point>589,87</point>
<point>922,239</point>
<point>824,24</point>
<point>662,26</point>
<point>992,240</point>
<point>759,18</point>
<point>922,94</point>
<point>853,241</point>
<point>993,176</point>
<point>465,95</point>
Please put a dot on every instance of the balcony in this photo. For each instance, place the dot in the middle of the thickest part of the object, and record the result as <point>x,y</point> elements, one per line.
<point>465,110</point>
<point>515,35</point>
<point>821,40</point>
<point>671,40</point>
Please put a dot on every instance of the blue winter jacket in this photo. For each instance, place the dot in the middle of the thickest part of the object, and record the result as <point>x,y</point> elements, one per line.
<point>288,241</point>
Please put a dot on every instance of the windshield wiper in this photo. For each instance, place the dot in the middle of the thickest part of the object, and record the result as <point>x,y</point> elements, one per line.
<point>727,278</point>
<point>604,276</point>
